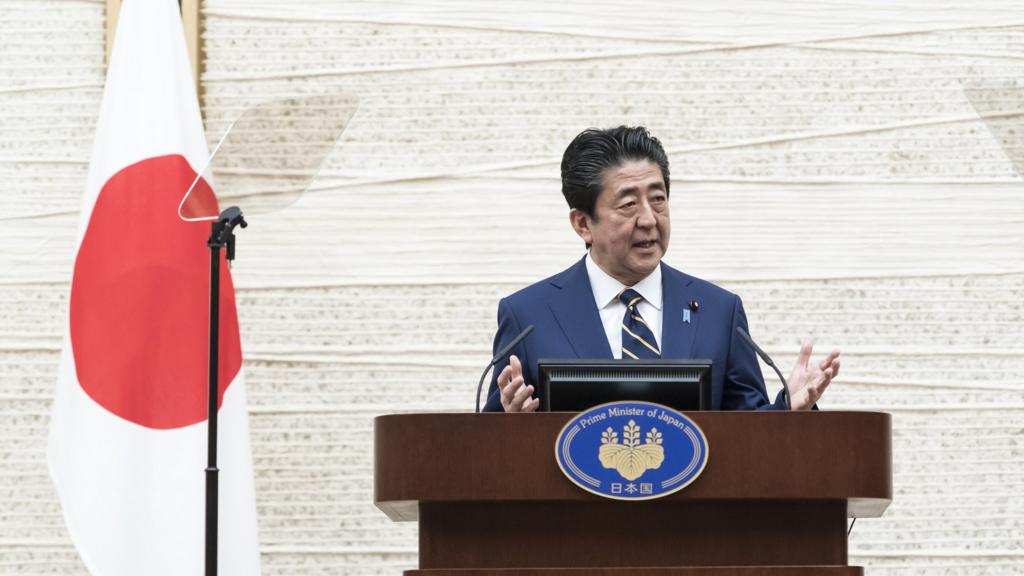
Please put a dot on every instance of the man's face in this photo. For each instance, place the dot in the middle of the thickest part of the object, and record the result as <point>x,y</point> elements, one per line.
<point>630,230</point>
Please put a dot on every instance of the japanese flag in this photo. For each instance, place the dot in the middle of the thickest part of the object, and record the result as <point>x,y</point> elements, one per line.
<point>127,447</point>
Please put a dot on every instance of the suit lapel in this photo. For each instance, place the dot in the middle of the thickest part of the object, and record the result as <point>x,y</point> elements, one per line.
<point>577,315</point>
<point>677,335</point>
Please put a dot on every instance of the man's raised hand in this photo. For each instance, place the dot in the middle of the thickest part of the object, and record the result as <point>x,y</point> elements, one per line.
<point>516,396</point>
<point>808,380</point>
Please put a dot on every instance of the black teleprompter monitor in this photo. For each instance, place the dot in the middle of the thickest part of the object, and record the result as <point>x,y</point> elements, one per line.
<point>573,385</point>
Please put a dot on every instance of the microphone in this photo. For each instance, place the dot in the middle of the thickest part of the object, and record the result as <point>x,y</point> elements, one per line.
<point>767,360</point>
<point>501,354</point>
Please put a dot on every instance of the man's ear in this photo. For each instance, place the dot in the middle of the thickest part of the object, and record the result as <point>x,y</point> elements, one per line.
<point>581,222</point>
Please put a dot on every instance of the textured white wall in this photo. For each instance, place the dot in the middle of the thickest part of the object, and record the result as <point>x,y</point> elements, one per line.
<point>51,82</point>
<point>827,167</point>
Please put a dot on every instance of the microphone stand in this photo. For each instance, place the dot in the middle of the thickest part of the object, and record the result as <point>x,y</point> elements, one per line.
<point>222,235</point>
<point>767,360</point>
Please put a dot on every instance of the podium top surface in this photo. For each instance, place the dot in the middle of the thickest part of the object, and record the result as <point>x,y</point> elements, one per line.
<point>752,456</point>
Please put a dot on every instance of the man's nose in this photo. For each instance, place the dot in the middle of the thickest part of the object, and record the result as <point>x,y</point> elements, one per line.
<point>645,217</point>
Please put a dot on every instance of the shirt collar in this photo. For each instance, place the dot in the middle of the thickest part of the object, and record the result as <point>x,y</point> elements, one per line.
<point>606,289</point>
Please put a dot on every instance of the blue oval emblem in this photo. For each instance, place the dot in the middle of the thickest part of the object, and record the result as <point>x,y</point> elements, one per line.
<point>631,450</point>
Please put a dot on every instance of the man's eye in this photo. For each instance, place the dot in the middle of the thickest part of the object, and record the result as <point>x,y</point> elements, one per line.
<point>628,205</point>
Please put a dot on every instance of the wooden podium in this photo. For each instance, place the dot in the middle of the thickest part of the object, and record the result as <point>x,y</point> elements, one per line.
<point>773,500</point>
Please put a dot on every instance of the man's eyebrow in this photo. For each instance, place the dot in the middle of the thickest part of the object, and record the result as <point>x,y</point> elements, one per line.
<point>633,189</point>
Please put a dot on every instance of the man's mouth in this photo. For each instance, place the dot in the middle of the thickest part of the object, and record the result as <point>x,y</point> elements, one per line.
<point>644,243</point>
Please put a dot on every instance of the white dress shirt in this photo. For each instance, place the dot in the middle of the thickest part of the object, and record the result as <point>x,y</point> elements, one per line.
<point>606,291</point>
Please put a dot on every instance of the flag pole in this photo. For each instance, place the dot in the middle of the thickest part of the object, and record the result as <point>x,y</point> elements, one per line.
<point>222,235</point>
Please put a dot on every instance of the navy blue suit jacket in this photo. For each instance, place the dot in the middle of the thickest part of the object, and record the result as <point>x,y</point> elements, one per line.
<point>567,325</point>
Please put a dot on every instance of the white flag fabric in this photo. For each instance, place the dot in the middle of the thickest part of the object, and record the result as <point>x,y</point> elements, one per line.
<point>127,446</point>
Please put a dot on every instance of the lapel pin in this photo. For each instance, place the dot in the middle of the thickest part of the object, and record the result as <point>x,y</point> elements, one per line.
<point>693,306</point>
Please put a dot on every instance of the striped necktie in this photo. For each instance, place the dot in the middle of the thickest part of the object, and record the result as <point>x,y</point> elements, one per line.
<point>638,341</point>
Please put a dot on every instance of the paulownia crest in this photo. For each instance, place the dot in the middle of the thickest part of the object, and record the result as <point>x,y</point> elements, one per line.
<point>631,458</point>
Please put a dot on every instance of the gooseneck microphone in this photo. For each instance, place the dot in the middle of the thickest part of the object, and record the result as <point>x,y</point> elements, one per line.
<point>501,354</point>
<point>767,360</point>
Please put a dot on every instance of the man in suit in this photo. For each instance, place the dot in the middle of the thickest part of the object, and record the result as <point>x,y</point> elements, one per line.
<point>621,301</point>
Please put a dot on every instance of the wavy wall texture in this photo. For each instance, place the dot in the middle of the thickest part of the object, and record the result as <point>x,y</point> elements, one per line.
<point>827,164</point>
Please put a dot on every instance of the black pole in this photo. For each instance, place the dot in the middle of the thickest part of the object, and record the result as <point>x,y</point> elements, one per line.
<point>221,235</point>
<point>212,489</point>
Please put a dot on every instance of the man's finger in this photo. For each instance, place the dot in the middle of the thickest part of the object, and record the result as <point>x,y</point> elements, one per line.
<point>531,405</point>
<point>508,392</point>
<point>817,389</point>
<point>522,396</point>
<point>504,377</point>
<point>506,398</point>
<point>516,365</point>
<point>805,353</point>
<point>522,392</point>
<point>832,356</point>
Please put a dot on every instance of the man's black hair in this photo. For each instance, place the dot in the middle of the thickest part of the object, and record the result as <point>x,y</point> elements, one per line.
<point>593,151</point>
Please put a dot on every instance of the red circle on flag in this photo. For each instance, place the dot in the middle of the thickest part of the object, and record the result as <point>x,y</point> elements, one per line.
<point>140,299</point>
